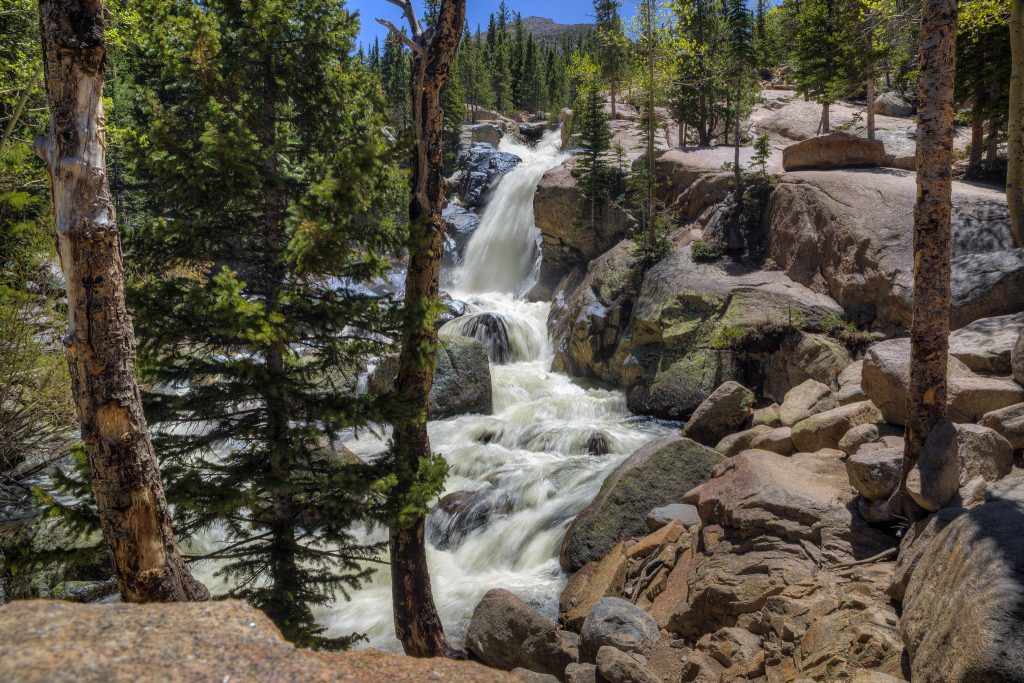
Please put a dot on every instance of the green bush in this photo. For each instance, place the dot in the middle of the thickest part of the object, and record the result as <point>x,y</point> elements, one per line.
<point>705,250</point>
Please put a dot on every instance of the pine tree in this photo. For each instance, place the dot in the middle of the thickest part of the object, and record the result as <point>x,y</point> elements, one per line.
<point>700,67</point>
<point>828,52</point>
<point>395,71</point>
<point>262,172</point>
<point>612,45</point>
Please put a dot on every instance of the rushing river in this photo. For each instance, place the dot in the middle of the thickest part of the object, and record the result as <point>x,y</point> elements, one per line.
<point>536,461</point>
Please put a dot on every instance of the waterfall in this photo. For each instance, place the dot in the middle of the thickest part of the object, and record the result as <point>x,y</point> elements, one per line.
<point>519,475</point>
<point>502,253</point>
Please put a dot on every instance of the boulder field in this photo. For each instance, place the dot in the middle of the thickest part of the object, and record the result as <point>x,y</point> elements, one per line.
<point>770,539</point>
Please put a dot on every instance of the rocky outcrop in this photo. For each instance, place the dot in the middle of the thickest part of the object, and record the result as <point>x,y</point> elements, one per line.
<point>833,150</point>
<point>891,104</point>
<point>799,119</point>
<point>460,224</point>
<point>482,167</point>
<point>847,233</point>
<point>1008,422</point>
<point>573,232</point>
<point>657,474</point>
<point>462,378</point>
<point>886,381</point>
<point>506,633</point>
<point>61,642</point>
<point>488,133</point>
<point>963,612</point>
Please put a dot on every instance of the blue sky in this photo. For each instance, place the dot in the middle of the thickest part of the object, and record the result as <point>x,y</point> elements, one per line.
<point>562,11</point>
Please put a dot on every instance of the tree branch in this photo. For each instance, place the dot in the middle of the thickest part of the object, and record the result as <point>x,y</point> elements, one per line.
<point>415,47</point>
<point>410,14</point>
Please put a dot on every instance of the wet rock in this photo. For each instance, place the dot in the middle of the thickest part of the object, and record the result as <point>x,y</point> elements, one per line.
<point>484,165</point>
<point>886,381</point>
<point>600,579</point>
<point>506,633</point>
<point>459,514</point>
<point>833,150</point>
<point>462,378</point>
<point>620,624</point>
<point>875,473</point>
<point>460,224</point>
<point>727,409</point>
<point>779,440</point>
<point>615,666</point>
<point>190,642</point>
<point>825,430</point>
<point>681,512</point>
<point>802,401</point>
<point>963,612</point>
<point>740,441</point>
<point>986,344</point>
<point>451,309</point>
<point>1008,422</point>
<point>657,474</point>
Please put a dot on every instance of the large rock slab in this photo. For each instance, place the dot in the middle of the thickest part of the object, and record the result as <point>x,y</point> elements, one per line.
<point>799,119</point>
<point>727,409</point>
<point>847,233</point>
<point>506,633</point>
<point>657,474</point>
<point>601,579</point>
<point>986,344</point>
<point>886,381</point>
<point>833,150</point>
<point>1008,422</point>
<point>963,612</point>
<point>573,232</point>
<point>190,642</point>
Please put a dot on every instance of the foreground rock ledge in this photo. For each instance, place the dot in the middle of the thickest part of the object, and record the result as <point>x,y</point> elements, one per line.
<point>213,641</point>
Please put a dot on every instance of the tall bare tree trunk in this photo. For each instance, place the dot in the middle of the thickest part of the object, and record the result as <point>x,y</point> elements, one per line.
<point>1015,124</point>
<point>615,112</point>
<point>977,138</point>
<point>100,343</point>
<point>929,331</point>
<point>417,623</point>
<point>871,103</point>
<point>825,126</point>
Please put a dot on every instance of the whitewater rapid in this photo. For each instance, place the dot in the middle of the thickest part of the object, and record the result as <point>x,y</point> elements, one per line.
<point>531,458</point>
<point>534,463</point>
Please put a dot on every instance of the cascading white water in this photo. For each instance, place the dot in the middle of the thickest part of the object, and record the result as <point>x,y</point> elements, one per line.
<point>502,252</point>
<point>532,465</point>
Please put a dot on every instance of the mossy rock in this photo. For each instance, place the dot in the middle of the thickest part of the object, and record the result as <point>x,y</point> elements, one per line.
<point>658,474</point>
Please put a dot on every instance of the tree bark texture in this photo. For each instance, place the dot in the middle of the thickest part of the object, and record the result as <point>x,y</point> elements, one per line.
<point>871,103</point>
<point>417,623</point>
<point>929,332</point>
<point>100,343</point>
<point>1015,124</point>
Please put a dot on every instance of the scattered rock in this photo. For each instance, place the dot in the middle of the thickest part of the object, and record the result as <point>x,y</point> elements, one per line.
<point>681,512</point>
<point>986,344</point>
<point>825,430</point>
<point>963,612</point>
<point>886,380</point>
<point>767,416</point>
<point>740,441</point>
<point>581,673</point>
<point>891,104</point>
<point>527,676</point>
<point>615,666</point>
<point>875,473</point>
<point>833,150</point>
<point>657,474</point>
<point>1008,422</point>
<point>506,633</point>
<point>600,579</point>
<point>802,401</point>
<point>620,624</point>
<point>857,437</point>
<point>779,440</point>
<point>723,412</point>
<point>190,642</point>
